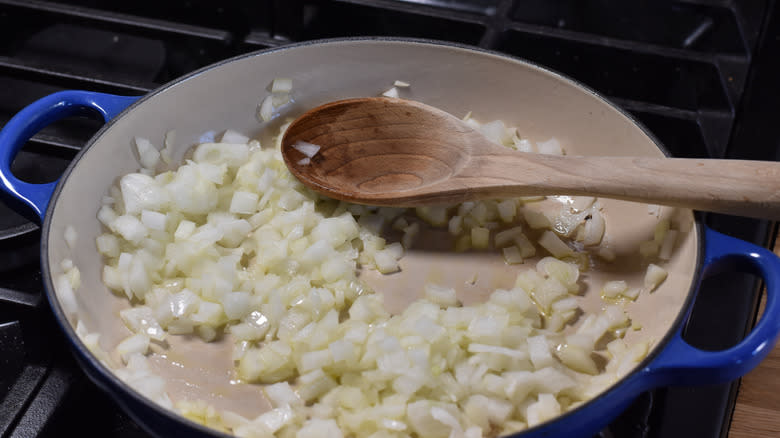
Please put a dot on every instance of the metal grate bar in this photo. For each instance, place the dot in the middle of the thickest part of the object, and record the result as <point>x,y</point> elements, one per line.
<point>418,9</point>
<point>617,43</point>
<point>28,71</point>
<point>45,404</point>
<point>261,39</point>
<point>117,21</point>
<point>15,400</point>
<point>20,298</point>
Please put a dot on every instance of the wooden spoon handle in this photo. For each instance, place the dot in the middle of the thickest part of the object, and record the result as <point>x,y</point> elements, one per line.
<point>738,187</point>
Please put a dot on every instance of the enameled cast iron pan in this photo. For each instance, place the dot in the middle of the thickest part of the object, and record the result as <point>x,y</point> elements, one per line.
<point>542,104</point>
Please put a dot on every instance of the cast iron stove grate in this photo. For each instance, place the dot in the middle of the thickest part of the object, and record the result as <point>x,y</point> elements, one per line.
<point>698,73</point>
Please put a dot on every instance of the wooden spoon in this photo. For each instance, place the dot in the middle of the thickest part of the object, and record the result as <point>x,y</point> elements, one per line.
<point>395,152</point>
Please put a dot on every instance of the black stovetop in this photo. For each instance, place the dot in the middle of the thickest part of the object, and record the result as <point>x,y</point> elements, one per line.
<point>700,74</point>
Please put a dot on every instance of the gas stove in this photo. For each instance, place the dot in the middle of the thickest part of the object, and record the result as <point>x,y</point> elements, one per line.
<point>700,74</point>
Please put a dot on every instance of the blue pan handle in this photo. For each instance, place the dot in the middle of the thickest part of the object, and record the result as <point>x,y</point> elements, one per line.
<point>32,119</point>
<point>681,363</point>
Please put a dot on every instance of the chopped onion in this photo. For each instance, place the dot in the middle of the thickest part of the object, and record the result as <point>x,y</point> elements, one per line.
<point>70,236</point>
<point>612,289</point>
<point>135,344</point>
<point>230,242</point>
<point>148,155</point>
<point>554,245</point>
<point>401,84</point>
<point>166,151</point>
<point>654,276</point>
<point>667,247</point>
<point>307,149</point>
<point>480,237</point>
<point>281,85</point>
<point>233,137</point>
<point>443,296</point>
<point>266,109</point>
<point>550,147</point>
<point>153,220</point>
<point>392,92</point>
<point>512,255</point>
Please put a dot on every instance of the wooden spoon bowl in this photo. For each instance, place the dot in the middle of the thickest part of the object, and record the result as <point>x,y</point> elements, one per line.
<point>358,137</point>
<point>395,152</point>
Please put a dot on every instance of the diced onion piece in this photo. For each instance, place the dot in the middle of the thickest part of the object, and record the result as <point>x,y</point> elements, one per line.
<point>166,153</point>
<point>66,295</point>
<point>130,228</point>
<point>273,420</point>
<point>535,219</point>
<point>141,320</point>
<point>539,351</point>
<point>385,262</point>
<point>565,304</point>
<point>549,147</point>
<point>554,245</point>
<point>70,236</point>
<point>494,131</point>
<point>317,428</point>
<point>307,149</point>
<point>233,155</point>
<point>281,394</point>
<point>523,144</point>
<point>142,192</point>
<point>667,247</point>
<point>654,276</point>
<point>153,220</point>
<point>243,202</point>
<point>594,229</point>
<point>661,228</point>
<point>233,137</point>
<point>480,237</point>
<point>401,84</point>
<point>184,230</point>
<point>410,233</point>
<point>527,248</point>
<point>455,225</point>
<point>612,289</point>
<point>577,359</point>
<point>607,254</point>
<point>266,109</point>
<point>631,293</point>
<point>66,265</point>
<point>148,155</point>
<point>507,236</point>
<point>436,216</point>
<point>135,344</point>
<point>392,92</point>
<point>444,296</point>
<point>507,210</point>
<point>545,408</point>
<point>281,85</point>
<point>512,255</point>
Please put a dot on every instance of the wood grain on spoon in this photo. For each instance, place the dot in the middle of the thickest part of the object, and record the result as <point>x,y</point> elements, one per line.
<point>395,152</point>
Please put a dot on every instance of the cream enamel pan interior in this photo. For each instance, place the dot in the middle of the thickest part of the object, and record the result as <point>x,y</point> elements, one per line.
<point>458,80</point>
